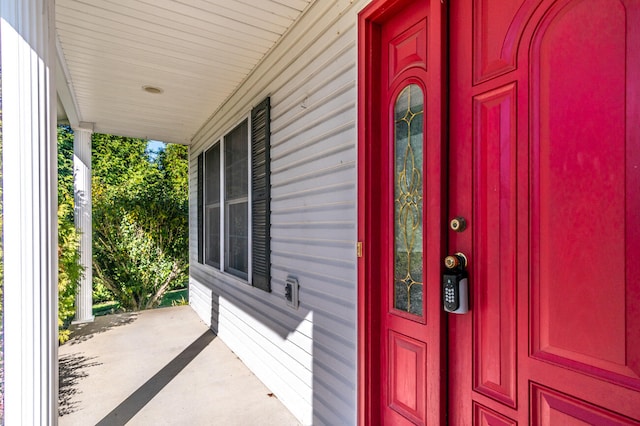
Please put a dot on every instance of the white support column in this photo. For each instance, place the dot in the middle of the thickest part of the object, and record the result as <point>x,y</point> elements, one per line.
<point>82,196</point>
<point>30,212</point>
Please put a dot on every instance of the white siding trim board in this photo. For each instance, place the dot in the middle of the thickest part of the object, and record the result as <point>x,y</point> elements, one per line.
<point>315,88</point>
<point>318,116</point>
<point>335,64</point>
<point>330,190</point>
<point>308,182</point>
<point>313,148</point>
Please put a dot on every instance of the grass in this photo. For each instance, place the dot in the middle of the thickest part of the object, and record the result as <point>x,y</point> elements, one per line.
<point>170,298</point>
<point>105,308</point>
<point>175,297</point>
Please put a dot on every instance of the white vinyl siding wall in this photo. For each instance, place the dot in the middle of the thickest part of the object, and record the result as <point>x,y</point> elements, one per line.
<point>307,357</point>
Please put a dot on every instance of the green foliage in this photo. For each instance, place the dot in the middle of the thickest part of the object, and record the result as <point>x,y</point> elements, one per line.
<point>180,302</point>
<point>101,294</point>
<point>175,298</point>
<point>140,217</point>
<point>174,160</point>
<point>69,269</point>
<point>65,169</point>
<point>106,308</point>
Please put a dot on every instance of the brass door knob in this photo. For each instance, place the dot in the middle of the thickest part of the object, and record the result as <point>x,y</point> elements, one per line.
<point>455,261</point>
<point>458,224</point>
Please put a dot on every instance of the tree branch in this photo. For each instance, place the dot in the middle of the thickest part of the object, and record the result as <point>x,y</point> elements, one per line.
<point>175,271</point>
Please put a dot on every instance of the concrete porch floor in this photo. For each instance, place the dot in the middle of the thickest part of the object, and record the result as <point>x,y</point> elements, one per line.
<point>159,367</point>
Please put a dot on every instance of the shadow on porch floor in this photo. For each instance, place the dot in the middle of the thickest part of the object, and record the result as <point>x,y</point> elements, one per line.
<point>160,367</point>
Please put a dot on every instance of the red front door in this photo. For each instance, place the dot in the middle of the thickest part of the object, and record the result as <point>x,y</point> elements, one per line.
<point>545,136</point>
<point>541,157</point>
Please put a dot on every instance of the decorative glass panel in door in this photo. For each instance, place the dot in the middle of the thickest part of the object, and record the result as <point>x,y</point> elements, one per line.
<point>408,273</point>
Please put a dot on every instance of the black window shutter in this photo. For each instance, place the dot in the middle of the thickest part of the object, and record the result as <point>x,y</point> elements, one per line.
<point>200,207</point>
<point>261,196</point>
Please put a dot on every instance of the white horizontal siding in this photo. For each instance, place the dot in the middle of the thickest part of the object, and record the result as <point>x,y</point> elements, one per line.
<point>307,357</point>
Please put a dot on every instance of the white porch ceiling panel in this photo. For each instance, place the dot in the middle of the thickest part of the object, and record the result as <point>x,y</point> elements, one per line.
<point>197,51</point>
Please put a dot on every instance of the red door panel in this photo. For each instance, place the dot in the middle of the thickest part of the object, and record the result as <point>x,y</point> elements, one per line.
<point>547,155</point>
<point>483,416</point>
<point>579,191</point>
<point>552,408</point>
<point>407,376</point>
<point>494,197</point>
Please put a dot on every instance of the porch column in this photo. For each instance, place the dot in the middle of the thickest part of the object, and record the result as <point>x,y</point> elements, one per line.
<point>82,197</point>
<point>30,212</point>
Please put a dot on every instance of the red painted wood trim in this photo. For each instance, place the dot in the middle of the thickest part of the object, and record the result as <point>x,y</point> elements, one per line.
<point>366,56</point>
<point>369,200</point>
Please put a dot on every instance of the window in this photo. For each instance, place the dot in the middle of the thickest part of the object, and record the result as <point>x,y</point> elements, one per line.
<point>231,211</point>
<point>236,201</point>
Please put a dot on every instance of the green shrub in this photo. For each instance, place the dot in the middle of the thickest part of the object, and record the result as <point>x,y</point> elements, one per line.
<point>140,220</point>
<point>69,269</point>
<point>140,271</point>
<point>101,293</point>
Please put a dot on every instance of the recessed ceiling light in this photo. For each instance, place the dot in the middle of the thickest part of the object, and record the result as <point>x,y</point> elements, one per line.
<point>152,89</point>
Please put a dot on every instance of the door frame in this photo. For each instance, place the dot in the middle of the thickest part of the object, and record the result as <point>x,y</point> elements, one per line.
<point>370,201</point>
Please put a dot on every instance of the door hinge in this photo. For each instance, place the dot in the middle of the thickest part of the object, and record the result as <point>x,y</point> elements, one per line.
<point>359,249</point>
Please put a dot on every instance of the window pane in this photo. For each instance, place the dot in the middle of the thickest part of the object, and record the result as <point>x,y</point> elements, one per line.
<point>408,201</point>
<point>213,235</point>
<point>212,172</point>
<point>237,250</point>
<point>212,206</point>
<point>235,163</point>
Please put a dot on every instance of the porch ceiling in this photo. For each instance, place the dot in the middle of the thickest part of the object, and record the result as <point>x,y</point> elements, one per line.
<point>197,51</point>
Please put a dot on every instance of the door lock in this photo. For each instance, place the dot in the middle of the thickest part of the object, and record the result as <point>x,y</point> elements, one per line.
<point>455,284</point>
<point>455,261</point>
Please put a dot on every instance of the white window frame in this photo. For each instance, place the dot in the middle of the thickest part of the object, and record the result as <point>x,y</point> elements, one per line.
<point>223,204</point>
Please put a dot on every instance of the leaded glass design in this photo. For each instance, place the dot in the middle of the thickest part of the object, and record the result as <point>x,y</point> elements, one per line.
<point>408,117</point>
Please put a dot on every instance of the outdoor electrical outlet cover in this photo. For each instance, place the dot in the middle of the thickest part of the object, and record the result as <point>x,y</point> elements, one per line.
<point>291,290</point>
